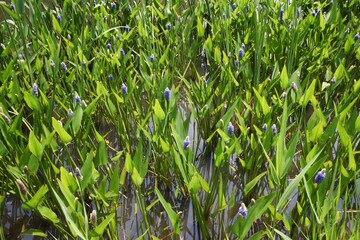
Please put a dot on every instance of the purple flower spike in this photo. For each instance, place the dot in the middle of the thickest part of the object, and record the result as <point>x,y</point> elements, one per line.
<point>63,66</point>
<point>77,99</point>
<point>356,37</point>
<point>12,7</point>
<point>169,26</point>
<point>124,89</point>
<point>186,143</point>
<point>264,127</point>
<point>230,129</point>
<point>281,15</point>
<point>152,58</point>
<point>243,211</point>
<point>233,6</point>
<point>83,63</point>
<point>274,129</point>
<point>127,28</point>
<point>122,52</point>
<point>241,53</point>
<point>111,77</point>
<point>35,91</point>
<point>58,17</point>
<point>283,95</point>
<point>294,86</point>
<point>236,63</point>
<point>70,113</point>
<point>113,5</point>
<point>167,94</point>
<point>320,176</point>
<point>108,46</point>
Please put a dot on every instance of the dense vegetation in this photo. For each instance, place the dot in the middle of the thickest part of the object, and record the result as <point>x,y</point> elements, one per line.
<point>182,119</point>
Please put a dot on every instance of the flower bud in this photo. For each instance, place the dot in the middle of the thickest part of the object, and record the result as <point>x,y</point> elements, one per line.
<point>320,176</point>
<point>22,186</point>
<point>243,211</point>
<point>274,129</point>
<point>167,94</point>
<point>124,89</point>
<point>93,217</point>
<point>186,143</point>
<point>35,91</point>
<point>230,129</point>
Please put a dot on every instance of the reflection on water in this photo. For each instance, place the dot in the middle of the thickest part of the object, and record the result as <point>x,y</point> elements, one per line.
<point>16,221</point>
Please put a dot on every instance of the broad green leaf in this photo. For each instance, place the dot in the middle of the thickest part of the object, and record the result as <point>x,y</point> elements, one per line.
<point>55,23</point>
<point>217,55</point>
<point>34,232</point>
<point>174,219</point>
<point>36,199</point>
<point>32,101</point>
<point>101,90</point>
<point>284,78</point>
<point>64,136</point>
<point>86,171</point>
<point>89,109</point>
<point>344,137</point>
<point>69,219</point>
<point>295,182</point>
<point>208,44</point>
<point>135,176</point>
<point>48,214</point>
<point>102,226</point>
<point>250,185</point>
<point>309,93</point>
<point>164,145</point>
<point>282,235</point>
<point>35,146</point>
<point>67,179</point>
<point>200,27</point>
<point>263,103</point>
<point>223,135</point>
<point>101,157</point>
<point>159,112</point>
<point>115,180</point>
<point>77,117</point>
<point>254,213</point>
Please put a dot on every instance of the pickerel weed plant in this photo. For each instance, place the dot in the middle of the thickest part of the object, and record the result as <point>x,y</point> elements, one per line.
<point>181,119</point>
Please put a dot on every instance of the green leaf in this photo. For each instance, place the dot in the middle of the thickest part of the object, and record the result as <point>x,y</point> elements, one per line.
<point>86,170</point>
<point>101,157</point>
<point>55,24</point>
<point>34,232</point>
<point>284,79</point>
<point>32,101</point>
<point>64,136</point>
<point>164,145</point>
<point>67,179</point>
<point>101,227</point>
<point>254,213</point>
<point>263,103</point>
<point>35,146</point>
<point>115,180</point>
<point>159,112</point>
<point>48,214</point>
<point>174,219</point>
<point>344,137</point>
<point>36,199</point>
<point>294,183</point>
<point>77,117</point>
<point>309,93</point>
<point>200,27</point>
<point>136,178</point>
<point>250,185</point>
